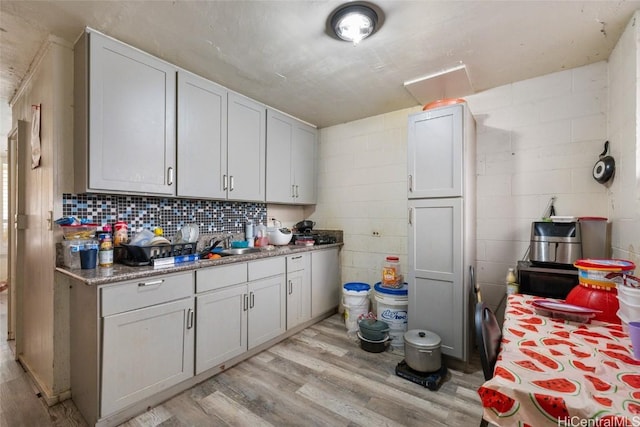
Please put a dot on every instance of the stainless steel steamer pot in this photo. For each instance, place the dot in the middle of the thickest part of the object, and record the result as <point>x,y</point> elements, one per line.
<point>422,350</point>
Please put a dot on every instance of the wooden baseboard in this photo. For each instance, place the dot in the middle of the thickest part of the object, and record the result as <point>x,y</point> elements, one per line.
<point>40,390</point>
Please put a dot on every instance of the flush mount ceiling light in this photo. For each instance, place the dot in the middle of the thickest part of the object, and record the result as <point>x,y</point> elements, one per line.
<point>354,22</point>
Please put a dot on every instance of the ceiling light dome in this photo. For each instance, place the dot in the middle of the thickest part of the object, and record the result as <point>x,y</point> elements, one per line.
<point>354,22</point>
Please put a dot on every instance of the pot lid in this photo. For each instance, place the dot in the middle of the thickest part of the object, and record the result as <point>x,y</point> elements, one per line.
<point>422,339</point>
<point>357,287</point>
<point>373,325</point>
<point>404,290</point>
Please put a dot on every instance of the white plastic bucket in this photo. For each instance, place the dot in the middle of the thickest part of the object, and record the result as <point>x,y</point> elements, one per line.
<point>392,305</point>
<point>355,299</point>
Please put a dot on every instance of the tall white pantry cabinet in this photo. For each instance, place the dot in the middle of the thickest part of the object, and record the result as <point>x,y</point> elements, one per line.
<point>441,234</point>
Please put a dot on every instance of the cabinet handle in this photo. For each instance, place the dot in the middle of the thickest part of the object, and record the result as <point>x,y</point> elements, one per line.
<point>152,283</point>
<point>297,195</point>
<point>230,182</point>
<point>190,314</point>
<point>251,300</point>
<point>410,216</point>
<point>290,287</point>
<point>245,305</point>
<point>170,176</point>
<point>410,183</point>
<point>224,181</point>
<point>297,257</point>
<point>293,191</point>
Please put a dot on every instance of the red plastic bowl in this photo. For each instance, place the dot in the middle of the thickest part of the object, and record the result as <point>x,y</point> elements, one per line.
<point>605,300</point>
<point>442,103</point>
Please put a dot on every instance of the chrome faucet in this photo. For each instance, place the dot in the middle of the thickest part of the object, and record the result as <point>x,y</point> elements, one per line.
<point>227,241</point>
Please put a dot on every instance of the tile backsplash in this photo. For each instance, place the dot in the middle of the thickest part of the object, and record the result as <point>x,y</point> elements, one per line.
<point>140,212</point>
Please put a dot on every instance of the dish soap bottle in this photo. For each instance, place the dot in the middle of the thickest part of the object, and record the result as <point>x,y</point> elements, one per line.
<point>248,233</point>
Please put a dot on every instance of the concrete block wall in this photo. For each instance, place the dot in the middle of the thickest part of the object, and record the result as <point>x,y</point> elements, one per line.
<point>536,139</point>
<point>362,189</point>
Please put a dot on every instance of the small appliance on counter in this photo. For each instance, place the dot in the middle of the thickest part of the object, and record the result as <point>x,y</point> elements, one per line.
<point>317,237</point>
<point>555,243</point>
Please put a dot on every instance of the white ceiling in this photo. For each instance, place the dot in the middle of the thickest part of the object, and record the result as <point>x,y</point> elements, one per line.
<point>278,52</point>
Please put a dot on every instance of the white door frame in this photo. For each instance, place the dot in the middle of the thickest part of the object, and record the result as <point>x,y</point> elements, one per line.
<point>18,141</point>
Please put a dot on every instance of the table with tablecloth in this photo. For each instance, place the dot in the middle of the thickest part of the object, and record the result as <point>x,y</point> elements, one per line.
<point>553,372</point>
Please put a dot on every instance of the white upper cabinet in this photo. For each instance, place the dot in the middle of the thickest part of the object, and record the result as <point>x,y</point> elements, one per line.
<point>435,152</point>
<point>291,160</point>
<point>245,172</point>
<point>125,109</point>
<point>202,137</point>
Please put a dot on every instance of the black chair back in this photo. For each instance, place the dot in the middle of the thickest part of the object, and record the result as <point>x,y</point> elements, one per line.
<point>488,337</point>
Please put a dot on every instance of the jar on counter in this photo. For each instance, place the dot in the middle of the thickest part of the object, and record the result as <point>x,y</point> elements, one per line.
<point>120,233</point>
<point>105,247</point>
<point>391,271</point>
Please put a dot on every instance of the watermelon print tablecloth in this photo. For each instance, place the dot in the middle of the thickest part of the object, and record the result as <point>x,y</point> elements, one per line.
<point>556,373</point>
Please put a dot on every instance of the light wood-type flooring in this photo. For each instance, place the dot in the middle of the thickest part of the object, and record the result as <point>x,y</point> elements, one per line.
<point>319,377</point>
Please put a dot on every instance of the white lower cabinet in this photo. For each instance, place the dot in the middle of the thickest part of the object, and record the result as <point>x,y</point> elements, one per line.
<point>266,313</point>
<point>133,340</point>
<point>235,317</point>
<point>221,326</point>
<point>298,289</point>
<point>325,281</point>
<point>146,348</point>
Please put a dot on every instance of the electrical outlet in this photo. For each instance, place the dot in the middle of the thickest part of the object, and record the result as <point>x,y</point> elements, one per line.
<point>376,234</point>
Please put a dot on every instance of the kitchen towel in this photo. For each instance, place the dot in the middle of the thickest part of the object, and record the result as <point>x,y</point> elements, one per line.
<point>35,136</point>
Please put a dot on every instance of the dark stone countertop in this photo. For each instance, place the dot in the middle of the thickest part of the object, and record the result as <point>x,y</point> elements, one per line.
<point>121,272</point>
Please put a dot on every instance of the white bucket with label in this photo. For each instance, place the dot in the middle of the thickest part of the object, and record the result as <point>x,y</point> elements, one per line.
<point>355,299</point>
<point>392,305</point>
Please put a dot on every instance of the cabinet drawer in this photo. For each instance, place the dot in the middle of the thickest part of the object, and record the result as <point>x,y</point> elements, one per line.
<point>219,277</point>
<point>266,268</point>
<point>145,292</point>
<point>297,262</point>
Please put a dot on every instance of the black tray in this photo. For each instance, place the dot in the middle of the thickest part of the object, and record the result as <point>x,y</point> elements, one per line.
<point>142,255</point>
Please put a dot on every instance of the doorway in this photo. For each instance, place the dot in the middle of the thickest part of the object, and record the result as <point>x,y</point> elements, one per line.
<point>15,222</point>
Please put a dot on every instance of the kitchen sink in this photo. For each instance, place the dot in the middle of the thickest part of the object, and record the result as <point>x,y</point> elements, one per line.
<point>238,251</point>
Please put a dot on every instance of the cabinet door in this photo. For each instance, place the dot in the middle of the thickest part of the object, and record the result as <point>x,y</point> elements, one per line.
<point>435,147</point>
<point>145,351</point>
<point>298,298</point>
<point>280,129</point>
<point>298,290</point>
<point>221,326</point>
<point>325,281</point>
<point>436,288</point>
<point>132,105</point>
<point>304,163</point>
<point>267,309</point>
<point>246,149</point>
<point>202,137</point>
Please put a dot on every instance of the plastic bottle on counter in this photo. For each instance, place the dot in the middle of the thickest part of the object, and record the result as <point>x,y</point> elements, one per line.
<point>249,233</point>
<point>261,235</point>
<point>512,285</point>
<point>105,247</point>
